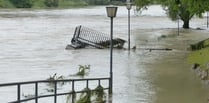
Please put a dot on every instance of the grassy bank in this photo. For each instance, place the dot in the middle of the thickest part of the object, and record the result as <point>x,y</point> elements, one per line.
<point>200,57</point>
<point>200,53</point>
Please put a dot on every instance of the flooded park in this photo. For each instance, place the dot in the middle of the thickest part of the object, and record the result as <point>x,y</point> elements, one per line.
<point>33,48</point>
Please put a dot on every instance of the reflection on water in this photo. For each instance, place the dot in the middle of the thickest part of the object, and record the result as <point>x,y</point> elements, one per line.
<point>33,41</point>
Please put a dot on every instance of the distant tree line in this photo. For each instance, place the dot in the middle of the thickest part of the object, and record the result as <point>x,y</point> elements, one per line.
<point>51,3</point>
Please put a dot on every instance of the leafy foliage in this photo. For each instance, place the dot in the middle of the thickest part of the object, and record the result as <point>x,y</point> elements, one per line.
<point>99,94</point>
<point>85,97</point>
<point>142,4</point>
<point>22,3</point>
<point>51,3</point>
<point>6,4</point>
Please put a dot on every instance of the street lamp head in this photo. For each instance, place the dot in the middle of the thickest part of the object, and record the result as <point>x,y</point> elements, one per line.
<point>111,11</point>
<point>128,5</point>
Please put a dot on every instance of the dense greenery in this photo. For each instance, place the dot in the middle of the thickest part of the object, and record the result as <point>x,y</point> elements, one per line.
<point>22,3</point>
<point>5,4</point>
<point>49,3</point>
<point>182,9</point>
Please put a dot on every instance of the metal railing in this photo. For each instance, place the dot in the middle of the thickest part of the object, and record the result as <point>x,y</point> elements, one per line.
<point>86,36</point>
<point>36,97</point>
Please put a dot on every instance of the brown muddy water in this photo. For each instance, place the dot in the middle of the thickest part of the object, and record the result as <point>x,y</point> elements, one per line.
<point>33,47</point>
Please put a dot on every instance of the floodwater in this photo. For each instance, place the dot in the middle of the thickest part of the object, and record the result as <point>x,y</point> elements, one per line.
<point>33,48</point>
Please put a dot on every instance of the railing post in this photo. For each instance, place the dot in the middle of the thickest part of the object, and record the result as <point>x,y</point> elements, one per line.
<point>99,82</point>
<point>87,83</point>
<point>73,92</point>
<point>207,19</point>
<point>110,86</point>
<point>18,92</point>
<point>55,91</point>
<point>36,92</point>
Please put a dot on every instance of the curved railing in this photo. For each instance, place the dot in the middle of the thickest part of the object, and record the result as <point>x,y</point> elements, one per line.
<point>36,97</point>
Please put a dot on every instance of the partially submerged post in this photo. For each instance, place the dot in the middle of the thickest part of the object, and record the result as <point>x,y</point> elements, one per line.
<point>128,6</point>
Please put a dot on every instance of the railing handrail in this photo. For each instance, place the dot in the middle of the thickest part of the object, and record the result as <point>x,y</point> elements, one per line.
<point>42,81</point>
<point>36,97</point>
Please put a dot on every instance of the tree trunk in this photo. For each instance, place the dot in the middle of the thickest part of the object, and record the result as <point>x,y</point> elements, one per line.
<point>186,24</point>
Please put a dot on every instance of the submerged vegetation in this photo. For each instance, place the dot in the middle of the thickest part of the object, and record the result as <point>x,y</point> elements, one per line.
<point>83,70</point>
<point>53,78</point>
<point>88,95</point>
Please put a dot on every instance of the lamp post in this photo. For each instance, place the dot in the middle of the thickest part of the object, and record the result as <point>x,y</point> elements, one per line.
<point>207,19</point>
<point>128,6</point>
<point>111,12</point>
<point>178,24</point>
<point>178,15</point>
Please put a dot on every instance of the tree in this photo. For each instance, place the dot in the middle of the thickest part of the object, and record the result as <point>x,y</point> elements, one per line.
<point>181,9</point>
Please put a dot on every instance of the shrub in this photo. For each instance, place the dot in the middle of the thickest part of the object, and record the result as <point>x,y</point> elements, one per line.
<point>6,4</point>
<point>51,3</point>
<point>22,3</point>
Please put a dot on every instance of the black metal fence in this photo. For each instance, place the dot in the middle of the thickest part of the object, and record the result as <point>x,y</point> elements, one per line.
<point>55,94</point>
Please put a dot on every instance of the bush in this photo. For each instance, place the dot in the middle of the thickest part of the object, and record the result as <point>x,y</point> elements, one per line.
<point>6,4</point>
<point>51,3</point>
<point>67,3</point>
<point>101,2</point>
<point>22,3</point>
<point>39,4</point>
<point>97,2</point>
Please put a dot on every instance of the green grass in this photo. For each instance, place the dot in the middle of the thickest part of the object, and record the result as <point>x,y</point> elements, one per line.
<point>199,56</point>
<point>200,53</point>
